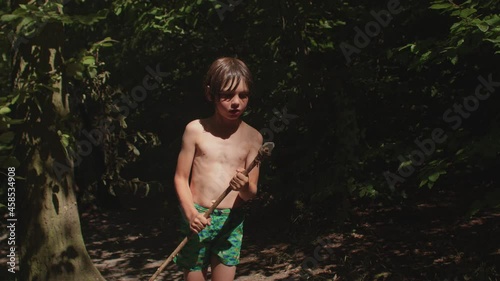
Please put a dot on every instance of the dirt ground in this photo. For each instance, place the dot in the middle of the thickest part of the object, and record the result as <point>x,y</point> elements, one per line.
<point>428,241</point>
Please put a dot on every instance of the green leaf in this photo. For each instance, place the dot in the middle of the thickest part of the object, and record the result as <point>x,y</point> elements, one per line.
<point>325,24</point>
<point>65,140</point>
<point>483,26</point>
<point>102,14</point>
<point>467,12</point>
<point>9,17</point>
<point>383,275</point>
<point>75,70</point>
<point>14,99</point>
<point>7,148</point>
<point>92,72</point>
<point>7,137</point>
<point>123,124</point>
<point>88,60</point>
<point>454,60</point>
<point>440,6</point>
<point>133,148</point>
<point>106,42</point>
<point>9,161</point>
<point>434,177</point>
<point>411,46</point>
<point>30,7</point>
<point>430,184</point>
<point>15,121</point>
<point>426,56</point>
<point>4,110</point>
<point>142,137</point>
<point>422,183</point>
<point>494,20</point>
<point>405,164</point>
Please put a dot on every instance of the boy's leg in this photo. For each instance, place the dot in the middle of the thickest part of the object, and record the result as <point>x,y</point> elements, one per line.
<point>195,275</point>
<point>225,250</point>
<point>221,272</point>
<point>194,258</point>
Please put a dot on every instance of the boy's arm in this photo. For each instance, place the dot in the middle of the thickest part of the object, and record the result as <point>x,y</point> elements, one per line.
<point>181,178</point>
<point>250,190</point>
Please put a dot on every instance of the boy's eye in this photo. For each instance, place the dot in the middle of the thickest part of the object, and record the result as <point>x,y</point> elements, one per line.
<point>226,96</point>
<point>229,96</point>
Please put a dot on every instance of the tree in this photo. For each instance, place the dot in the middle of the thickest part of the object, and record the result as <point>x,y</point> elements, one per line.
<point>50,234</point>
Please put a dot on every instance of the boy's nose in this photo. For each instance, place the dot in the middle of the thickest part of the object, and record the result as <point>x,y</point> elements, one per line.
<point>235,102</point>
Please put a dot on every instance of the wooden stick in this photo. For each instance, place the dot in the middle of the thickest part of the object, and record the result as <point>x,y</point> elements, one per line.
<point>265,150</point>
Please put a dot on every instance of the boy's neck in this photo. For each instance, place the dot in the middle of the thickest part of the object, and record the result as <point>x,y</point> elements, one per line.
<point>225,125</point>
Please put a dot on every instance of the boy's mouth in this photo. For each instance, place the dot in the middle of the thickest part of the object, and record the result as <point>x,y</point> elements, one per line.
<point>234,111</point>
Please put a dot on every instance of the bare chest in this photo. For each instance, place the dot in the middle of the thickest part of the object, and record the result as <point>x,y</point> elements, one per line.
<point>231,152</point>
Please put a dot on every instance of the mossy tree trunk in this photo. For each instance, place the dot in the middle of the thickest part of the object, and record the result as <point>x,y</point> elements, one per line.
<point>52,246</point>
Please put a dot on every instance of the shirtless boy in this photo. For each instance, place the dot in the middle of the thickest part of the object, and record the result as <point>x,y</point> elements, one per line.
<point>214,153</point>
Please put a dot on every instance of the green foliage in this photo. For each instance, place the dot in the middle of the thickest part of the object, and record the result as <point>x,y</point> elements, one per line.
<point>470,30</point>
<point>85,82</point>
<point>118,143</point>
<point>7,137</point>
<point>353,120</point>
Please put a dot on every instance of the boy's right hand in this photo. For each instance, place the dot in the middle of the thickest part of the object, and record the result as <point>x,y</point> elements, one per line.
<point>198,222</point>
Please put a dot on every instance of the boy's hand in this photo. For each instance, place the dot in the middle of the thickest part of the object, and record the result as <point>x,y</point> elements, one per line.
<point>198,222</point>
<point>239,181</point>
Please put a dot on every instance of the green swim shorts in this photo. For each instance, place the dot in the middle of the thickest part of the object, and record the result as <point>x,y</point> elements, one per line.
<point>221,238</point>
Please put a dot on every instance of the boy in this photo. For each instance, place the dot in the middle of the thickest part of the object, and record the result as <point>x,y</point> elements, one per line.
<point>214,153</point>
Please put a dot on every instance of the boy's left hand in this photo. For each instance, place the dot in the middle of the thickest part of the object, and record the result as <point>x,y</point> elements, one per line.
<point>239,181</point>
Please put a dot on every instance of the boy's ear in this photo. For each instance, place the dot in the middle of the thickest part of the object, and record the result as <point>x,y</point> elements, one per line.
<point>207,93</point>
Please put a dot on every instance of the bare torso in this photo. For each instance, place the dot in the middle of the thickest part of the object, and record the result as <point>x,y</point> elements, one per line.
<point>217,156</point>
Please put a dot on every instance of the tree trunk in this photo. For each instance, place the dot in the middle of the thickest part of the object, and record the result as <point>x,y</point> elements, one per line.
<point>51,238</point>
<point>52,246</point>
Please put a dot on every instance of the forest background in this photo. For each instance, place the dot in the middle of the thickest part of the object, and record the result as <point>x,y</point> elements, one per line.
<point>371,104</point>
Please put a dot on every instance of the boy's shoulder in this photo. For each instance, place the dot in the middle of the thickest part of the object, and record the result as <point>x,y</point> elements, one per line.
<point>193,128</point>
<point>194,125</point>
<point>252,133</point>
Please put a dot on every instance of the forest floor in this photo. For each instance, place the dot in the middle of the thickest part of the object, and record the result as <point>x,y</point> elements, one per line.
<point>423,241</point>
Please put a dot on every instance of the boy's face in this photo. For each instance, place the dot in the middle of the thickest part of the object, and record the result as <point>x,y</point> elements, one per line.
<point>232,104</point>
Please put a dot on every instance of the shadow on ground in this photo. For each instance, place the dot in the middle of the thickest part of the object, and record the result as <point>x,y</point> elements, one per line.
<point>427,240</point>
